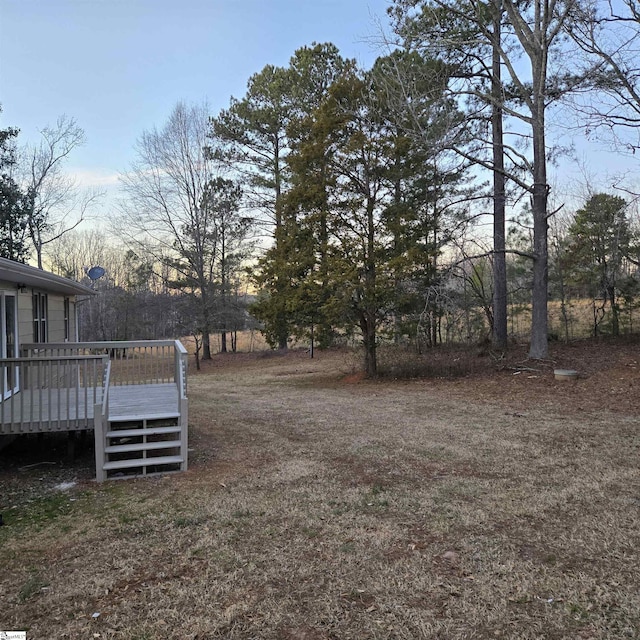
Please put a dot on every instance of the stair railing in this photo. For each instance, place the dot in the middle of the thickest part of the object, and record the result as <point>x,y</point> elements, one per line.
<point>101,423</point>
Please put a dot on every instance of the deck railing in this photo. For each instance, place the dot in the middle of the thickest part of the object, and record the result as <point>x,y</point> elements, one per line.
<point>106,384</point>
<point>89,385</point>
<point>132,361</point>
<point>180,364</point>
<point>183,403</point>
<point>50,393</point>
<point>58,386</point>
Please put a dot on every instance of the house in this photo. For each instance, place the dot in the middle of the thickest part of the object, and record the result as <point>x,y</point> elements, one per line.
<point>131,394</point>
<point>37,306</point>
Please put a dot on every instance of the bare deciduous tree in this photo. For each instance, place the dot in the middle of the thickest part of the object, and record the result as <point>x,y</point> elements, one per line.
<point>56,203</point>
<point>173,208</point>
<point>609,34</point>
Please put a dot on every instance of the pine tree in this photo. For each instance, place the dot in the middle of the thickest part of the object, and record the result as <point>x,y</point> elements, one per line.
<point>599,245</point>
<point>14,203</point>
<point>251,137</point>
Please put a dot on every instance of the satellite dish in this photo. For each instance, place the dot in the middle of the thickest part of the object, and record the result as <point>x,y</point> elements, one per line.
<point>95,272</point>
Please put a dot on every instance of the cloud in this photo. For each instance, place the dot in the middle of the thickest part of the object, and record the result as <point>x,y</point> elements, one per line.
<point>95,178</point>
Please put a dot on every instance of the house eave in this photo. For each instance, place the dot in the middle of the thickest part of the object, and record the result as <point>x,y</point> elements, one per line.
<point>23,274</point>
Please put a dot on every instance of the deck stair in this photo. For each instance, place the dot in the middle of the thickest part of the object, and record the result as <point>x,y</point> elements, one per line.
<point>143,429</point>
<point>143,446</point>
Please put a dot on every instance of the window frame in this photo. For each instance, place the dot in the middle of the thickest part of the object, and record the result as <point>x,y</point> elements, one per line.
<point>9,387</point>
<point>40,304</point>
<point>67,319</point>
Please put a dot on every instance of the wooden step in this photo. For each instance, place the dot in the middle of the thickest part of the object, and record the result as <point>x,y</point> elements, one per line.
<point>148,416</point>
<point>142,462</point>
<point>143,446</point>
<point>149,431</point>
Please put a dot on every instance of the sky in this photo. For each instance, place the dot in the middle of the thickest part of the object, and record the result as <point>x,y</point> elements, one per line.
<point>120,66</point>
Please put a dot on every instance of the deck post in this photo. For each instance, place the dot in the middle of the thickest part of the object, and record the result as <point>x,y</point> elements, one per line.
<point>184,431</point>
<point>98,428</point>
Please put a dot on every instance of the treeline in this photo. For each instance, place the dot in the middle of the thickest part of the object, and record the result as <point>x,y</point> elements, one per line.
<point>137,298</point>
<point>353,201</point>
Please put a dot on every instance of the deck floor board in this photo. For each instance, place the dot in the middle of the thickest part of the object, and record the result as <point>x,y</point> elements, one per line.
<point>143,400</point>
<point>68,410</point>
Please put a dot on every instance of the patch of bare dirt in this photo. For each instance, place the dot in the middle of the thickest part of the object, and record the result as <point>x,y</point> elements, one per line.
<point>608,378</point>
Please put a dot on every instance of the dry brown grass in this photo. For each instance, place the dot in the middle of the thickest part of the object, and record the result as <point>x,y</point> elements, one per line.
<point>248,342</point>
<point>579,319</point>
<point>320,507</point>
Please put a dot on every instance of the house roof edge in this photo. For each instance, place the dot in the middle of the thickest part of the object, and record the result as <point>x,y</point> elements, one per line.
<point>11,271</point>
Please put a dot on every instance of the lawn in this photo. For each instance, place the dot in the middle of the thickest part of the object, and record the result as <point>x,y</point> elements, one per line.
<point>500,504</point>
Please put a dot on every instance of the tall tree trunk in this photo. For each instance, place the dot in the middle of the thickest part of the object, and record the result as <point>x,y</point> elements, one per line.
<point>324,328</point>
<point>368,315</point>
<point>223,292</point>
<point>281,320</point>
<point>206,344</point>
<point>536,35</point>
<point>499,328</point>
<point>206,325</point>
<point>539,347</point>
<point>435,310</point>
<point>368,328</point>
<point>615,312</point>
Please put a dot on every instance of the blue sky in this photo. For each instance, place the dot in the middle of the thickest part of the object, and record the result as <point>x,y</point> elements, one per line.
<point>120,66</point>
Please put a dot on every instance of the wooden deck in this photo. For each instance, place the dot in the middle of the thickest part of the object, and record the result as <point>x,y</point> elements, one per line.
<point>131,394</point>
<point>143,401</point>
<point>72,409</point>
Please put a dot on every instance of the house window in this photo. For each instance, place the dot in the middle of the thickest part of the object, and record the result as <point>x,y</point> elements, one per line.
<point>40,316</point>
<point>67,322</point>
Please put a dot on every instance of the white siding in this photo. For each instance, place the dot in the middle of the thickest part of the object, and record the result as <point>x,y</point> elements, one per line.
<point>55,313</point>
<point>56,317</point>
<point>25,317</point>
